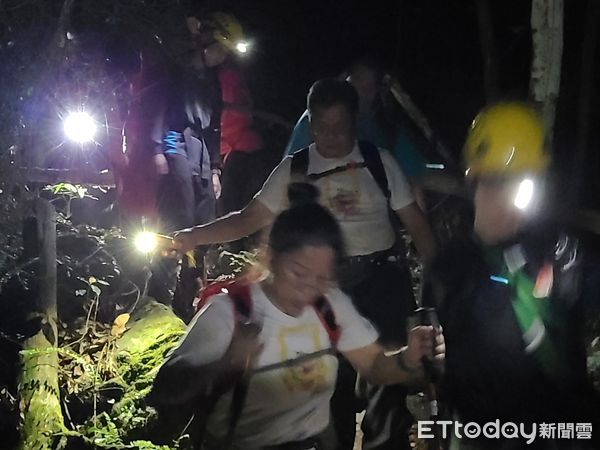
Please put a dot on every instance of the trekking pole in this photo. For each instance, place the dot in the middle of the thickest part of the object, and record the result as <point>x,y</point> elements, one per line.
<point>433,371</point>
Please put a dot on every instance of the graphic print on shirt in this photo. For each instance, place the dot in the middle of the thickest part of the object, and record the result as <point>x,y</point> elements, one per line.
<point>311,375</point>
<point>342,193</point>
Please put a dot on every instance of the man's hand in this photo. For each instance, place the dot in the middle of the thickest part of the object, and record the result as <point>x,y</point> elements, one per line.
<point>424,342</point>
<point>160,164</point>
<point>184,240</point>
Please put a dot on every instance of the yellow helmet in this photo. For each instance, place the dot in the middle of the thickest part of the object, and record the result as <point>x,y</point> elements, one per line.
<point>505,139</point>
<point>227,30</point>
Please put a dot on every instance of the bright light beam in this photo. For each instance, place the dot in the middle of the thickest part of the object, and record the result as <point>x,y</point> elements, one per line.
<point>80,127</point>
<point>146,242</point>
<point>524,194</point>
<point>242,47</point>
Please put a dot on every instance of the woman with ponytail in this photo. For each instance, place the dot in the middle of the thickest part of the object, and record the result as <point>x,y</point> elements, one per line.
<point>284,344</point>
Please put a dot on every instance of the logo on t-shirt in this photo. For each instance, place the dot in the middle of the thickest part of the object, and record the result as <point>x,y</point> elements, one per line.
<point>310,375</point>
<point>342,193</point>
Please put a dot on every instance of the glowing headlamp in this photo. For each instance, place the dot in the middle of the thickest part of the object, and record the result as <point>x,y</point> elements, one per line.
<point>524,194</point>
<point>242,47</point>
<point>80,127</point>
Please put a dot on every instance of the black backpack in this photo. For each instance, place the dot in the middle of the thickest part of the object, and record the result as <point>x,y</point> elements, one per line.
<point>372,161</point>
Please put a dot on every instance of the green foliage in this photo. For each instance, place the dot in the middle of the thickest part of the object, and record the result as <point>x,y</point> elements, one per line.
<point>237,263</point>
<point>68,189</point>
<point>40,395</point>
<point>115,373</point>
<point>54,56</point>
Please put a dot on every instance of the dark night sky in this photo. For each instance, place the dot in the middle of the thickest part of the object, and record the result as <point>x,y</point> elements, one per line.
<point>432,45</point>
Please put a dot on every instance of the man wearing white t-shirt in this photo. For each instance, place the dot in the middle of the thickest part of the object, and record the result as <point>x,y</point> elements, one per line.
<point>372,274</point>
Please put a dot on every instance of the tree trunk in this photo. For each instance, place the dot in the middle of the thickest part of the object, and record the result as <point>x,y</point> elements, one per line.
<point>586,93</point>
<point>547,38</point>
<point>152,331</point>
<point>38,386</point>
<point>488,53</point>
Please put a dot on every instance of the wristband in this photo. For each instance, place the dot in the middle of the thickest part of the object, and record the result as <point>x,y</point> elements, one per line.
<point>402,363</point>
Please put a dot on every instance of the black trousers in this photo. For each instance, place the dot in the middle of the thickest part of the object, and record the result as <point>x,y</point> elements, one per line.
<point>243,175</point>
<point>381,291</point>
<point>184,200</point>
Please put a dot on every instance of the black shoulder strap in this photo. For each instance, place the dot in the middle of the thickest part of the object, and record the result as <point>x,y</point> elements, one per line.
<point>242,301</point>
<point>372,157</point>
<point>370,154</point>
<point>327,316</point>
<point>299,165</point>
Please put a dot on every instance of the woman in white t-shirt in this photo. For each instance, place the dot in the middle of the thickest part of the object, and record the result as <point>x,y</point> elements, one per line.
<point>287,353</point>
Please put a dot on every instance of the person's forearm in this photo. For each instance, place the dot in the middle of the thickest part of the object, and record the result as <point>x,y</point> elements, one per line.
<point>417,227</point>
<point>228,228</point>
<point>234,226</point>
<point>424,242</point>
<point>386,370</point>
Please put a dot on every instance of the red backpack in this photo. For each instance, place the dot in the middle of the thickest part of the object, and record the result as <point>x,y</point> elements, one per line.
<point>239,292</point>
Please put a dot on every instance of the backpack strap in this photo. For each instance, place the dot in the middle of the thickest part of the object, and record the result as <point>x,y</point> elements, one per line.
<point>374,164</point>
<point>372,161</point>
<point>242,301</point>
<point>299,166</point>
<point>327,317</point>
<point>372,157</point>
<point>242,308</point>
<point>210,290</point>
<point>239,293</point>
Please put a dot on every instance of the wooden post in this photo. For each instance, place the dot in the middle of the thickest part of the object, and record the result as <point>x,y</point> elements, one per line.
<point>46,234</point>
<point>38,386</point>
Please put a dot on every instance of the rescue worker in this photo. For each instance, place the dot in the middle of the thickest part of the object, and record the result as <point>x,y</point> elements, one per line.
<point>240,142</point>
<point>364,188</point>
<point>184,142</point>
<point>509,296</point>
<point>186,151</point>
